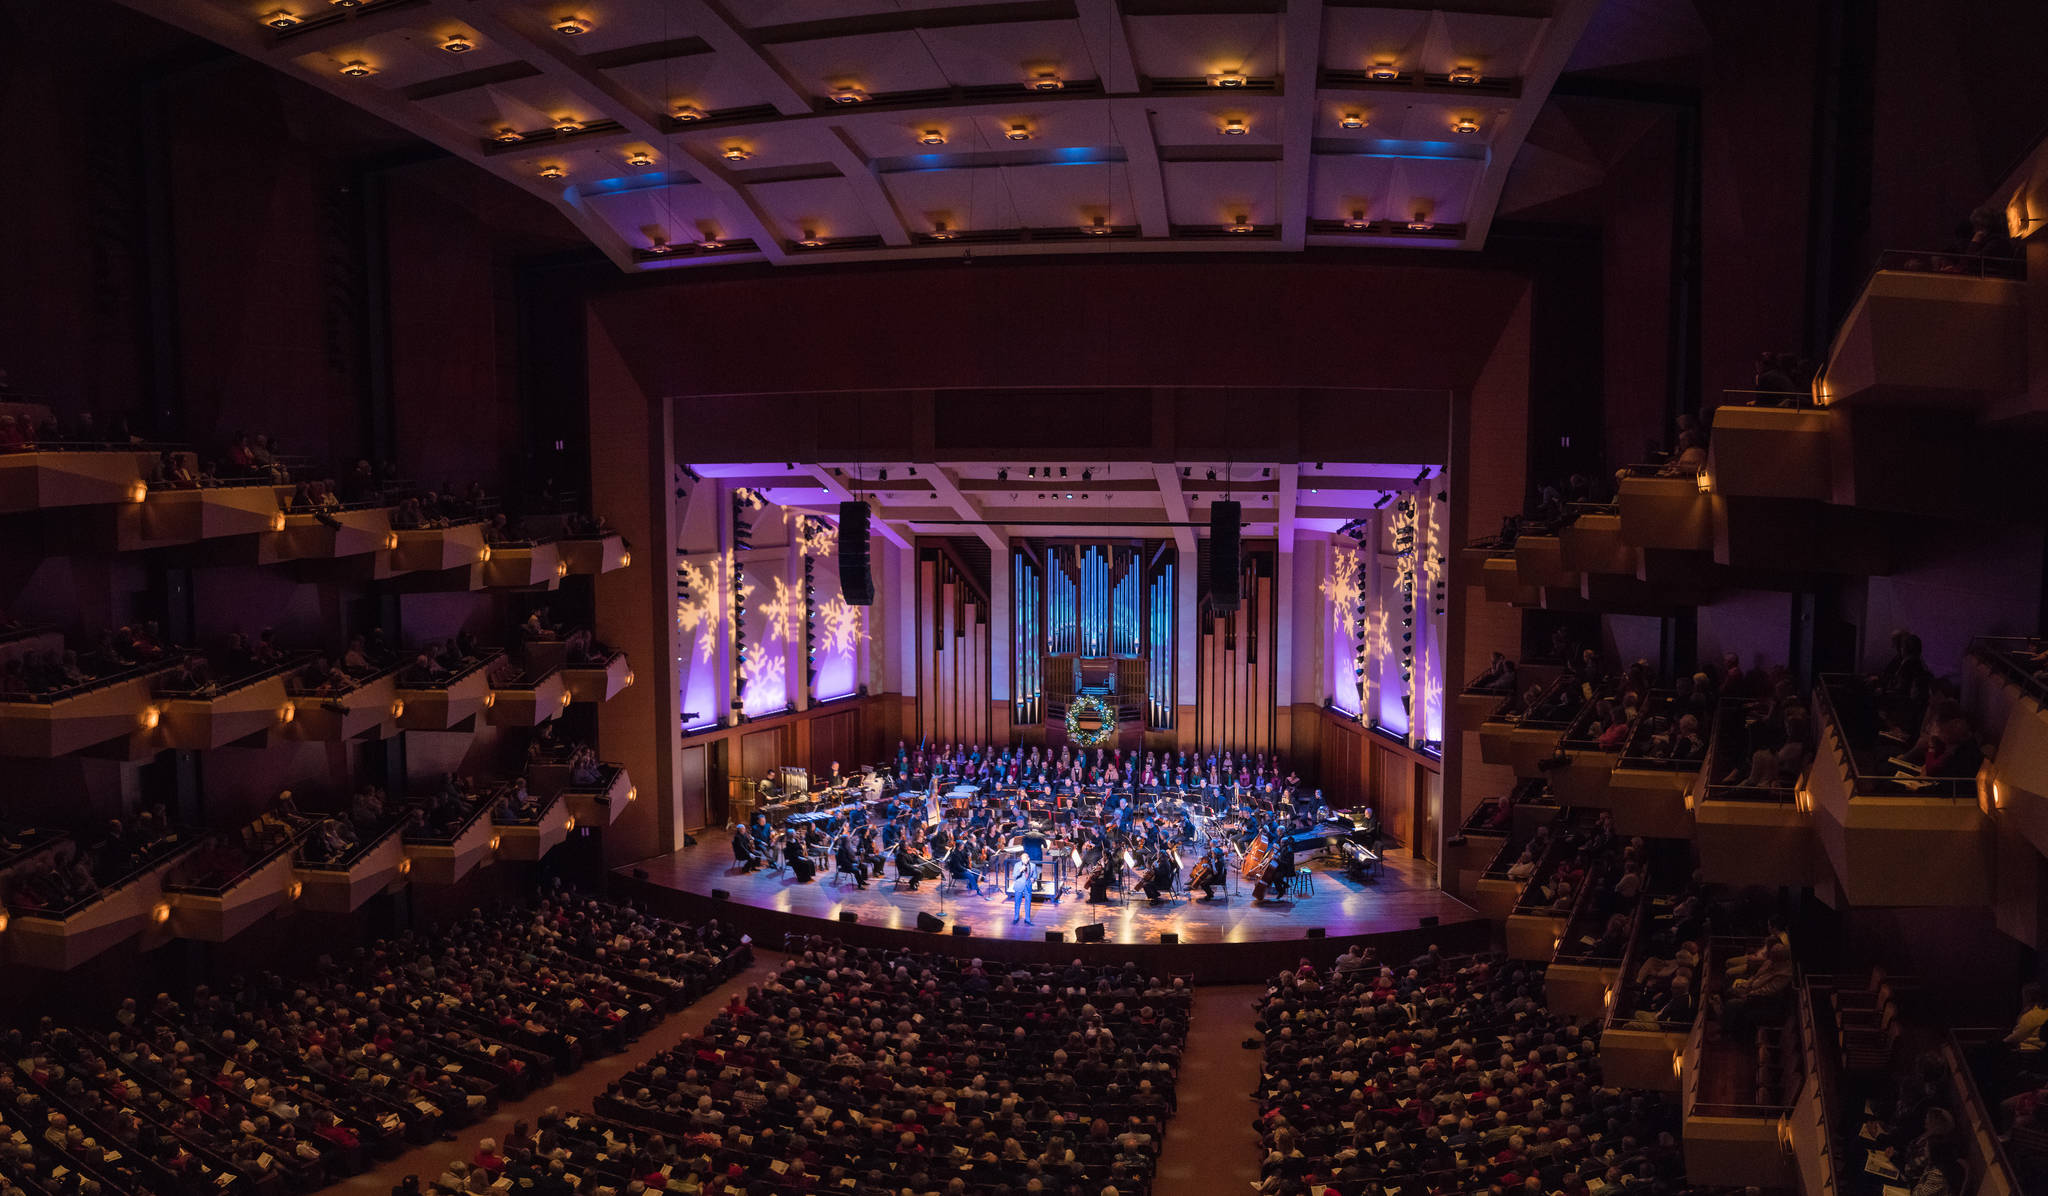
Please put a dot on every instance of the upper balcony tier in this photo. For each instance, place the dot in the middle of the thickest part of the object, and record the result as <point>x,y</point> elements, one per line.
<point>444,701</point>
<point>1934,330</point>
<point>341,884</point>
<point>216,714</point>
<point>1754,826</point>
<point>592,555</point>
<point>62,937</point>
<point>57,722</point>
<point>1737,1090</point>
<point>332,711</point>
<point>51,475</point>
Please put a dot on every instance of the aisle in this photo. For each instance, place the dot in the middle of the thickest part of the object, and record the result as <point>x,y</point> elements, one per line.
<point>1210,1146</point>
<point>570,1093</point>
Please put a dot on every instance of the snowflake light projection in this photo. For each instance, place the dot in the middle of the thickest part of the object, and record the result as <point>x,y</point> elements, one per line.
<point>779,614</point>
<point>817,537</point>
<point>705,602</point>
<point>1375,640</point>
<point>764,681</point>
<point>838,625</point>
<point>1341,586</point>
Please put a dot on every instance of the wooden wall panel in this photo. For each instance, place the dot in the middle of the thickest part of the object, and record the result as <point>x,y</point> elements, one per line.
<point>762,751</point>
<point>695,765</point>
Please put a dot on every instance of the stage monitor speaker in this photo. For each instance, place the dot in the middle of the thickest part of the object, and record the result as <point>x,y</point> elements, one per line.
<point>856,580</point>
<point>1091,933</point>
<point>929,922</point>
<point>1055,936</point>
<point>720,895</point>
<point>1428,921</point>
<point>962,929</point>
<point>1224,565</point>
<point>1167,938</point>
<point>1317,932</point>
<point>847,915</point>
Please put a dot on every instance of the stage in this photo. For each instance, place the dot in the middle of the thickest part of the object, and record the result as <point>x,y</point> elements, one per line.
<point>1235,937</point>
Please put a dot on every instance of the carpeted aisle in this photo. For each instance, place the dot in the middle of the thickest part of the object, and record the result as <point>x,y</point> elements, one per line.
<point>1210,1147</point>
<point>569,1093</point>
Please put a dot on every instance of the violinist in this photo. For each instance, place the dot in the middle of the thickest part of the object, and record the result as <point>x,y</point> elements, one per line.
<point>909,867</point>
<point>799,862</point>
<point>1165,867</point>
<point>960,864</point>
<point>1104,878</point>
<point>745,852</point>
<point>849,860</point>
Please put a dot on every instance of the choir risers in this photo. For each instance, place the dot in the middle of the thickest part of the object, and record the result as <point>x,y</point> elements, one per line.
<point>117,915</point>
<point>343,890</point>
<point>525,566</point>
<point>597,681</point>
<point>592,555</point>
<point>1917,338</point>
<point>202,724</point>
<point>372,706</point>
<point>530,843</point>
<point>527,705</point>
<point>443,862</point>
<point>216,917</point>
<point>601,804</point>
<point>1666,512</point>
<point>45,730</point>
<point>38,481</point>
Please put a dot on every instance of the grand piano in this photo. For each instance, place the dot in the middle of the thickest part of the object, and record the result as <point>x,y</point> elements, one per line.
<point>1342,839</point>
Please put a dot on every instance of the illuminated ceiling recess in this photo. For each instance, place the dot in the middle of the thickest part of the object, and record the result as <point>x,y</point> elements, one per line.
<point>1017,128</point>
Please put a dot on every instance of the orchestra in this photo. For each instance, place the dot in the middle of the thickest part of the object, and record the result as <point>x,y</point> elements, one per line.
<point>1037,823</point>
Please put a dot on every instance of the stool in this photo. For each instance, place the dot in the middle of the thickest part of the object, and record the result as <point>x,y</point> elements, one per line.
<point>1302,884</point>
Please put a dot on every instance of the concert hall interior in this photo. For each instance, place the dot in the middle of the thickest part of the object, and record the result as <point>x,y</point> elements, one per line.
<point>1081,597</point>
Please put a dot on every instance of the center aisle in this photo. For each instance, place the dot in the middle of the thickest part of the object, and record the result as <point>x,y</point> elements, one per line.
<point>1210,1146</point>
<point>571,1093</point>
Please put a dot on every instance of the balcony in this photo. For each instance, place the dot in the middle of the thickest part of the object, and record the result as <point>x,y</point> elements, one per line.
<point>1737,1118</point>
<point>1751,830</point>
<point>598,680</point>
<point>204,719</point>
<point>600,800</point>
<point>530,838</point>
<point>526,699</point>
<point>62,939</point>
<point>1539,563</point>
<point>1496,891</point>
<point>1932,330</point>
<point>1891,837</point>
<point>29,640</point>
<point>2005,687</point>
<point>1501,576</point>
<point>1484,694</point>
<point>592,555</point>
<point>444,855</point>
<point>435,549</point>
<point>342,885</point>
<point>1778,451</point>
<point>1651,785</point>
<point>372,706</point>
<point>1583,971</point>
<point>59,722</point>
<point>1592,542</point>
<point>1644,1037</point>
<point>446,702</point>
<point>1665,509</point>
<point>49,476</point>
<point>361,529</point>
<point>1580,768</point>
<point>1534,740</point>
<point>525,564</point>
<point>188,514</point>
<point>1536,924</point>
<point>212,904</point>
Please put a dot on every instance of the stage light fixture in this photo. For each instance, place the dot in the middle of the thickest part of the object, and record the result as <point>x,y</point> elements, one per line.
<point>1097,226</point>
<point>1003,475</point>
<point>1241,224</point>
<point>1353,121</point>
<point>811,240</point>
<point>1031,471</point>
<point>1046,81</point>
<point>942,233</point>
<point>849,93</point>
<point>1212,475</point>
<point>566,125</point>
<point>1228,79</point>
<point>455,43</point>
<point>1063,471</point>
<point>553,172</point>
<point>1087,475</point>
<point>1421,223</point>
<point>639,158</point>
<point>735,153</point>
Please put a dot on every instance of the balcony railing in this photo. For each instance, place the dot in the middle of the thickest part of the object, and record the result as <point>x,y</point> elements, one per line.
<point>134,672</point>
<point>291,662</point>
<point>1937,261</point>
<point>167,851</point>
<point>1848,704</point>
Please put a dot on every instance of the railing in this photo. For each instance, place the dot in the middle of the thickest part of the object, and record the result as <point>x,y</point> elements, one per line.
<point>27,841</point>
<point>2002,654</point>
<point>1935,261</point>
<point>1564,716</point>
<point>606,774</point>
<point>483,805</point>
<point>1734,397</point>
<point>537,811</point>
<point>27,631</point>
<point>1979,1116</point>
<point>292,661</point>
<point>298,689</point>
<point>394,823</point>
<point>249,868</point>
<point>1578,734</point>
<point>103,681</point>
<point>1713,966</point>
<point>484,658</point>
<point>174,845</point>
<point>1642,752</point>
<point>1625,985</point>
<point>525,679</point>
<point>95,446</point>
<point>1724,738</point>
<point>1851,737</point>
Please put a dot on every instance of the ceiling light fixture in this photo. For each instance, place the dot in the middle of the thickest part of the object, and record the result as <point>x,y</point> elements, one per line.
<point>686,113</point>
<point>554,171</point>
<point>1046,81</point>
<point>1234,126</point>
<point>571,25</point>
<point>507,135</point>
<point>1241,223</point>
<point>735,153</point>
<point>1465,124</point>
<point>1463,74</point>
<point>1352,120</point>
<point>456,43</point>
<point>1383,72</point>
<point>811,240</point>
<point>639,157</point>
<point>1097,226</point>
<point>1421,223</point>
<point>1357,222</point>
<point>931,137</point>
<point>941,233</point>
<point>1228,79</point>
<point>657,244</point>
<point>344,3</point>
<point>357,69</point>
<point>848,93</point>
<point>1017,133</point>
<point>710,242</point>
<point>566,125</point>
<point>282,18</point>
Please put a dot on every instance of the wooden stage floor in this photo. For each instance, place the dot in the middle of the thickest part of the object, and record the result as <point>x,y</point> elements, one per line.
<point>1404,893</point>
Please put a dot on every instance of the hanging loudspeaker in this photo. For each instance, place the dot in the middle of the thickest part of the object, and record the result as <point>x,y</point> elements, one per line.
<point>856,581</point>
<point>1223,555</point>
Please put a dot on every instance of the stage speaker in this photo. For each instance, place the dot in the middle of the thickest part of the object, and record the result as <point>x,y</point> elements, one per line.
<point>856,580</point>
<point>928,922</point>
<point>1317,932</point>
<point>1167,938</point>
<point>962,929</point>
<point>1224,518</point>
<point>847,915</point>
<point>1055,936</point>
<point>720,895</point>
<point>1428,922</point>
<point>1091,933</point>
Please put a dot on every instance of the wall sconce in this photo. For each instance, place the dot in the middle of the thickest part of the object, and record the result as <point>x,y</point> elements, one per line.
<point>398,708</point>
<point>3,921</point>
<point>565,699</point>
<point>495,841</point>
<point>149,717</point>
<point>297,888</point>
<point>490,699</point>
<point>1705,481</point>
<point>569,824</point>
<point>625,560</point>
<point>628,683</point>
<point>287,712</point>
<point>405,866</point>
<point>390,541</point>
<point>484,554</point>
<point>160,913</point>
<point>632,795</point>
<point>138,491</point>
<point>277,522</point>
<point>561,568</point>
